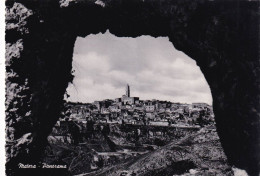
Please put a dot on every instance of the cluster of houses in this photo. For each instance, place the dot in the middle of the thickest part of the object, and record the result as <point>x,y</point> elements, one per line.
<point>132,110</point>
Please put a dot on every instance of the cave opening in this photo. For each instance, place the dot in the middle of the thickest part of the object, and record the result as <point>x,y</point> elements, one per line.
<point>168,90</point>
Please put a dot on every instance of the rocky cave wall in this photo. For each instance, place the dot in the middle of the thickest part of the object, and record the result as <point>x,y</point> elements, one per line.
<point>221,36</point>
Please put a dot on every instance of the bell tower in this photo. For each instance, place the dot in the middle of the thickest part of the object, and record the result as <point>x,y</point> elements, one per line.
<point>127,91</point>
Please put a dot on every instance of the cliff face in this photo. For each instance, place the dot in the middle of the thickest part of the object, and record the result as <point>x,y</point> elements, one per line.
<point>222,37</point>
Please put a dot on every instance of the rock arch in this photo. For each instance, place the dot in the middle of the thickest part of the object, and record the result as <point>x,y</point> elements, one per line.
<point>223,38</point>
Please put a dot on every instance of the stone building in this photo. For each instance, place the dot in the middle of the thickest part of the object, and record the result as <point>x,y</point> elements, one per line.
<point>126,99</point>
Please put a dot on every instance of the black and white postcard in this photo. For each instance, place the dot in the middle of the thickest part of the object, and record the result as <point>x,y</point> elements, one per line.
<point>132,87</point>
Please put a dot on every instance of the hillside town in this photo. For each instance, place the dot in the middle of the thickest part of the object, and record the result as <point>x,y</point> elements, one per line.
<point>132,110</point>
<point>94,137</point>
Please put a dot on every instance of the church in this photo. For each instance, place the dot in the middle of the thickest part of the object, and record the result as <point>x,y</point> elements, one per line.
<point>126,99</point>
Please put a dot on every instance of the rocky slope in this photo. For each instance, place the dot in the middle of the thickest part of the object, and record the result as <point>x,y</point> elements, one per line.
<point>196,154</point>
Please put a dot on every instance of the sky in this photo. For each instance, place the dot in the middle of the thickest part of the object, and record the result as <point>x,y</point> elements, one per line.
<point>103,64</point>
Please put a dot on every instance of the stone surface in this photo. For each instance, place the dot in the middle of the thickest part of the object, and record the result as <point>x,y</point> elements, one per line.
<point>221,36</point>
